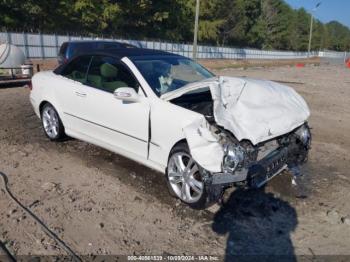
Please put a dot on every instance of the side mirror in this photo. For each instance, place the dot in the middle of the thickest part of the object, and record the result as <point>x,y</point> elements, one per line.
<point>127,94</point>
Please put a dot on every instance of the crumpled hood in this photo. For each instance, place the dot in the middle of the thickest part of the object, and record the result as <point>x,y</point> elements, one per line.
<point>251,109</point>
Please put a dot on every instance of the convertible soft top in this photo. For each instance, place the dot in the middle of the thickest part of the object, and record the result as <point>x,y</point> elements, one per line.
<point>129,52</point>
<point>119,53</point>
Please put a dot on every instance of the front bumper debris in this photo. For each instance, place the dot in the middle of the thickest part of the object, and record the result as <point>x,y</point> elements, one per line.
<point>259,173</point>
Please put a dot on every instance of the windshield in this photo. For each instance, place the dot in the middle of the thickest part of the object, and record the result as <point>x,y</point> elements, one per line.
<point>165,74</point>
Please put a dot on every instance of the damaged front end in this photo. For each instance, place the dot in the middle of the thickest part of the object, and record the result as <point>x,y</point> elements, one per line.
<point>241,162</point>
<point>251,130</point>
<point>255,165</point>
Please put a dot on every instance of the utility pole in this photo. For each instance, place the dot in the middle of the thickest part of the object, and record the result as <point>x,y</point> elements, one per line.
<point>196,31</point>
<point>310,36</point>
<point>344,57</point>
<point>311,23</point>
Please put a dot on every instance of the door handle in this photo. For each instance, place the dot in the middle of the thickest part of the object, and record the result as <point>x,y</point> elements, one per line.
<point>80,94</point>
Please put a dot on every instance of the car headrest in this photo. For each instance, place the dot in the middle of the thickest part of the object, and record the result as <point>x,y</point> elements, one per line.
<point>108,70</point>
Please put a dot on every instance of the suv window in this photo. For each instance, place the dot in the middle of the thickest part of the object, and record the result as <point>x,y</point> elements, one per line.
<point>82,47</point>
<point>62,54</point>
<point>77,69</point>
<point>78,48</point>
<point>63,49</point>
<point>107,74</point>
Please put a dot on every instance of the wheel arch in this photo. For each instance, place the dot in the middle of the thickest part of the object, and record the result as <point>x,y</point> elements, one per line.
<point>44,102</point>
<point>41,105</point>
<point>182,141</point>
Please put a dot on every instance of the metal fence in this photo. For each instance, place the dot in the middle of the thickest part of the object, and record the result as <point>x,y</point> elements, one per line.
<point>47,46</point>
<point>334,57</point>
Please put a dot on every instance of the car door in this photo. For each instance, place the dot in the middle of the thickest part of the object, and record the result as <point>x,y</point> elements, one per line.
<point>70,91</point>
<point>114,124</point>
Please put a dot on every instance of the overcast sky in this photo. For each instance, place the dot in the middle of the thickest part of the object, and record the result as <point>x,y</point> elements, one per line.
<point>328,10</point>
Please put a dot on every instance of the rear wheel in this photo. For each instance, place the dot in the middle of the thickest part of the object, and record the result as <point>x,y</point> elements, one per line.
<point>185,179</point>
<point>52,123</point>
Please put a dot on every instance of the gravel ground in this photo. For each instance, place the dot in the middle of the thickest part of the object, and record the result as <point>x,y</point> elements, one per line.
<point>101,203</point>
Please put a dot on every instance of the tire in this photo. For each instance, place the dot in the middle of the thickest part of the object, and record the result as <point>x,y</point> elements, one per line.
<point>185,181</point>
<point>52,123</point>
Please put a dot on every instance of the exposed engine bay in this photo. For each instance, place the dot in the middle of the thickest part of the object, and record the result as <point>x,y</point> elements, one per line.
<point>199,102</point>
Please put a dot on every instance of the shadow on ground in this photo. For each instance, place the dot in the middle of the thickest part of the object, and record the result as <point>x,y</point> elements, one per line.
<point>258,225</point>
<point>6,85</point>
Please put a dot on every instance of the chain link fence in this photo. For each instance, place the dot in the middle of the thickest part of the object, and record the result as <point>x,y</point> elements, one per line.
<point>47,46</point>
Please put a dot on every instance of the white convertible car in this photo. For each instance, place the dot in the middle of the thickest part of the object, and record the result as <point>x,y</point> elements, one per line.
<point>205,133</point>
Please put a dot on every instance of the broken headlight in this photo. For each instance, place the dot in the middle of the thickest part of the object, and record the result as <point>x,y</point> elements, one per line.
<point>304,135</point>
<point>233,158</point>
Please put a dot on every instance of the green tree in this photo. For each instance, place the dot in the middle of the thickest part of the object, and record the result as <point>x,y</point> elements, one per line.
<point>339,36</point>
<point>299,34</point>
<point>239,18</point>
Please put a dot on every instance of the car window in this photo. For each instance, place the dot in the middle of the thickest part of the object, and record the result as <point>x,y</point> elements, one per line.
<point>108,74</point>
<point>165,74</point>
<point>77,69</point>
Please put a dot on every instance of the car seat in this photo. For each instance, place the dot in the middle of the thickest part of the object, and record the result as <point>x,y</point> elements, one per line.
<point>95,80</point>
<point>109,78</point>
<point>77,76</point>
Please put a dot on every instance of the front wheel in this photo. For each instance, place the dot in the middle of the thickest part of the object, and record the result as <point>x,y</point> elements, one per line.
<point>185,180</point>
<point>52,123</point>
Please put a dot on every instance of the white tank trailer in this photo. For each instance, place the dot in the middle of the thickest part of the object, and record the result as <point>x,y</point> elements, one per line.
<point>12,62</point>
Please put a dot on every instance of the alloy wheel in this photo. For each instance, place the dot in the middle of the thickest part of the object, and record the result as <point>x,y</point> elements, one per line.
<point>184,177</point>
<point>50,122</point>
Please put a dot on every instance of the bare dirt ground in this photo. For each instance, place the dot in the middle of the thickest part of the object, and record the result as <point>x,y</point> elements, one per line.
<point>101,203</point>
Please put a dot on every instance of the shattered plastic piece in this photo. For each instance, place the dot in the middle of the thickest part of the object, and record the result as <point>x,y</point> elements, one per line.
<point>295,171</point>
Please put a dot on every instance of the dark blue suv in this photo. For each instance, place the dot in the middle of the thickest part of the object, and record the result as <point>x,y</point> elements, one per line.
<point>73,48</point>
